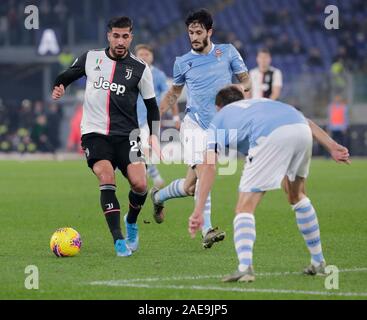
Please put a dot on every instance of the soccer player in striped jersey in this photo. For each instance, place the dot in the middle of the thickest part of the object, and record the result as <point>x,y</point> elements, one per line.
<point>204,70</point>
<point>110,129</point>
<point>280,154</point>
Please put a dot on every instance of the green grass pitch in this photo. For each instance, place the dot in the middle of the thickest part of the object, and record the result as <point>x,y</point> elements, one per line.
<point>39,197</point>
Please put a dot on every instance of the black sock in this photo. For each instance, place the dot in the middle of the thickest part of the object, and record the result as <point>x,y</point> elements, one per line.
<point>136,202</point>
<point>111,210</point>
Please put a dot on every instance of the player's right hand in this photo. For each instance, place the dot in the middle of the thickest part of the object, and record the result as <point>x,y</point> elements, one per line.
<point>58,92</point>
<point>196,222</point>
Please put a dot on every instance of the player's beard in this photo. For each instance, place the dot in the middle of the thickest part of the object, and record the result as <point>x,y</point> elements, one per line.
<point>202,48</point>
<point>119,55</point>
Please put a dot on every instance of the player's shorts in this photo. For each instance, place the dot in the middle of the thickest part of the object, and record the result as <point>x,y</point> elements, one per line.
<point>286,151</point>
<point>119,150</point>
<point>193,140</point>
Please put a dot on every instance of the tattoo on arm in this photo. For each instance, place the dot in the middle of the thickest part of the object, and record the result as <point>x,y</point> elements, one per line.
<point>170,98</point>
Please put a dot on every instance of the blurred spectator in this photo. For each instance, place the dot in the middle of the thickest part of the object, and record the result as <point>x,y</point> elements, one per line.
<point>338,120</point>
<point>314,58</point>
<point>339,78</point>
<point>284,16</point>
<point>66,58</point>
<point>61,11</point>
<point>297,48</point>
<point>26,115</point>
<point>283,46</point>
<point>270,17</point>
<point>54,116</point>
<point>38,108</point>
<point>267,81</point>
<point>39,135</point>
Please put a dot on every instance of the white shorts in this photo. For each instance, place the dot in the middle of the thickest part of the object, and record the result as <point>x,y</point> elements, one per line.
<point>193,140</point>
<point>286,151</point>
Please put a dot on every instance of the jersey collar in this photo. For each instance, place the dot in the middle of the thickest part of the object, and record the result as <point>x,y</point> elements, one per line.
<point>107,52</point>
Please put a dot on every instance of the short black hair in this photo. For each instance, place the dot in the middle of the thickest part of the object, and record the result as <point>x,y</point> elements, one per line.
<point>228,95</point>
<point>202,16</point>
<point>264,50</point>
<point>120,22</point>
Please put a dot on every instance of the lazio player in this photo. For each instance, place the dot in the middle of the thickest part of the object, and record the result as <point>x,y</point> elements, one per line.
<point>206,69</point>
<point>280,152</point>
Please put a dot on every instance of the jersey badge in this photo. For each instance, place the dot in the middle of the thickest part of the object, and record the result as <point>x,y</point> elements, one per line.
<point>129,72</point>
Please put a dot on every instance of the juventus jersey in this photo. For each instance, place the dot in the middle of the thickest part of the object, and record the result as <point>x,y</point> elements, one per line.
<point>263,83</point>
<point>112,90</point>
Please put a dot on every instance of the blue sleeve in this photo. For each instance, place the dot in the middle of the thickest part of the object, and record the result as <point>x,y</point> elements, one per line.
<point>178,78</point>
<point>236,61</point>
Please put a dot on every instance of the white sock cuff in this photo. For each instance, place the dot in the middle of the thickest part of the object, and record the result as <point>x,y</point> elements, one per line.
<point>244,215</point>
<point>303,203</point>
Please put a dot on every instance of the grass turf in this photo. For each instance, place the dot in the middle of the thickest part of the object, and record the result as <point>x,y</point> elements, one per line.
<point>39,197</point>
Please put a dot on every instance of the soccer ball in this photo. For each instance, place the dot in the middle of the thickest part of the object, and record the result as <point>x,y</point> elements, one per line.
<point>65,242</point>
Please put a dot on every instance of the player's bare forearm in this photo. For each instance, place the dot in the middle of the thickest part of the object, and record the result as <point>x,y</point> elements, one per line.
<point>170,98</point>
<point>245,82</point>
<point>321,136</point>
<point>338,152</point>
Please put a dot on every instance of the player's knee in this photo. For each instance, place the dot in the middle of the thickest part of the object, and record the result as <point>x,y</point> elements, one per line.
<point>106,178</point>
<point>139,186</point>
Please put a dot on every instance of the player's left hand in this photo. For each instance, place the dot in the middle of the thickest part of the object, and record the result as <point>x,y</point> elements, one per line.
<point>340,154</point>
<point>196,221</point>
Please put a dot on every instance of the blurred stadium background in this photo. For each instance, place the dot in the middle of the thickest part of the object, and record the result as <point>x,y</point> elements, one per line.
<point>316,63</point>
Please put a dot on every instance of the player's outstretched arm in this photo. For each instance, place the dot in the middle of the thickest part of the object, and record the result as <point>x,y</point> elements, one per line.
<point>170,98</point>
<point>338,152</point>
<point>206,182</point>
<point>245,82</point>
<point>76,71</point>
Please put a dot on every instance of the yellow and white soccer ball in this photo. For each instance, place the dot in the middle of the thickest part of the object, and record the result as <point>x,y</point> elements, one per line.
<point>65,242</point>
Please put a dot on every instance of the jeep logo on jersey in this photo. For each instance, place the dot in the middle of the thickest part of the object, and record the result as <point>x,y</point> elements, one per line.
<point>106,85</point>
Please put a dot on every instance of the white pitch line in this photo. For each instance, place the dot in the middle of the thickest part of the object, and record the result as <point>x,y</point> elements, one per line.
<point>214,288</point>
<point>203,277</point>
<point>134,283</point>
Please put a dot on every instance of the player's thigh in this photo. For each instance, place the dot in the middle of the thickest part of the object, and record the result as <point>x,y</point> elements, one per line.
<point>248,201</point>
<point>301,159</point>
<point>98,148</point>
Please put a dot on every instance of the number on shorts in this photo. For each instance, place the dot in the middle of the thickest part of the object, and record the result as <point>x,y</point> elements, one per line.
<point>134,146</point>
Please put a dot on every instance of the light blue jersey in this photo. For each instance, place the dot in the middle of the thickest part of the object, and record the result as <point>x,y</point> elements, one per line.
<point>253,119</point>
<point>160,87</point>
<point>204,76</point>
